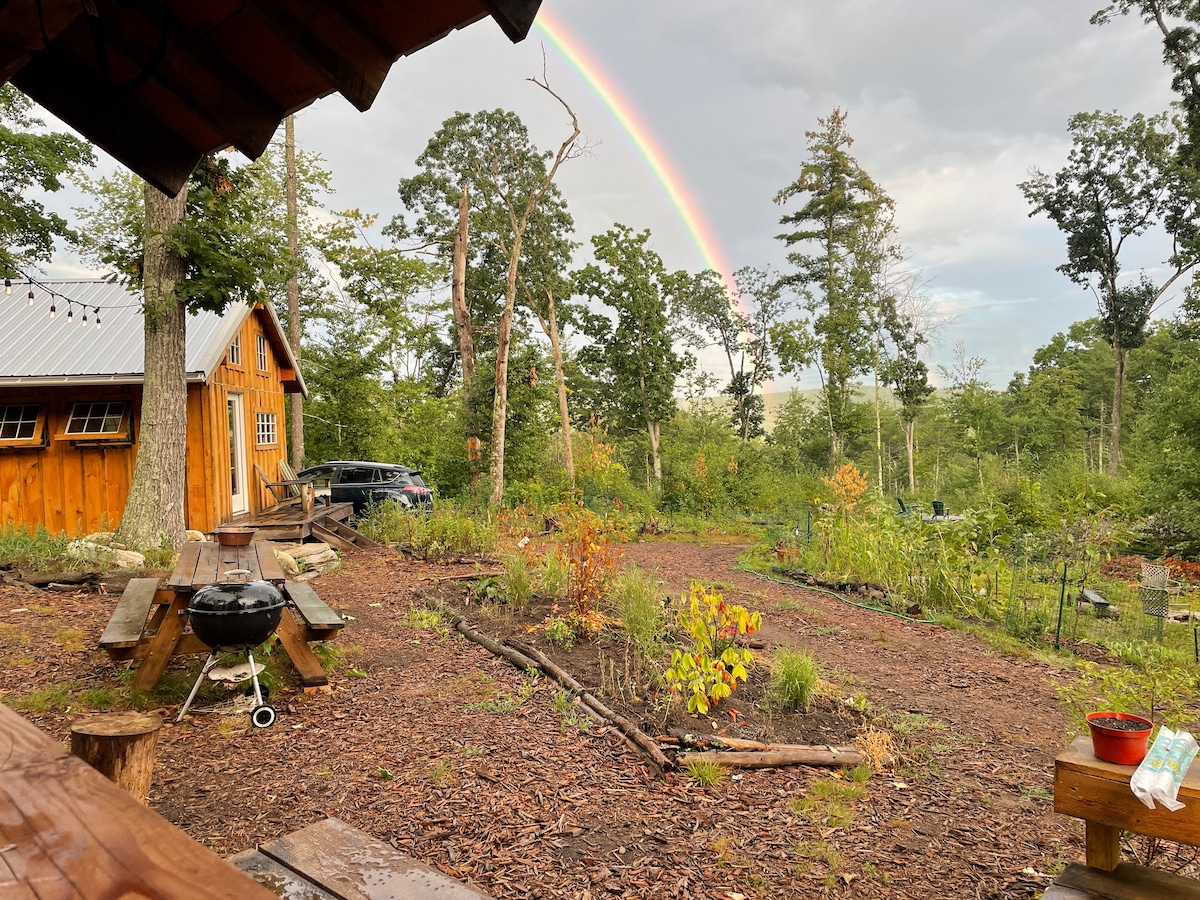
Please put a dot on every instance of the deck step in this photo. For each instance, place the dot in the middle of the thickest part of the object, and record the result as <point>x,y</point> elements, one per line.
<point>341,536</point>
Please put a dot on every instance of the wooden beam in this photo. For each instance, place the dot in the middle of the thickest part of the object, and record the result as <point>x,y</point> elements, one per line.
<point>514,16</point>
<point>335,42</point>
<point>195,73</point>
<point>109,118</point>
<point>24,31</point>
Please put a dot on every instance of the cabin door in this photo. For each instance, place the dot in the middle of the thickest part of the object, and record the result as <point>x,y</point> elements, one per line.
<point>237,454</point>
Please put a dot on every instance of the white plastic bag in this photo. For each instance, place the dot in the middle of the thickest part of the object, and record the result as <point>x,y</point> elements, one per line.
<point>1161,772</point>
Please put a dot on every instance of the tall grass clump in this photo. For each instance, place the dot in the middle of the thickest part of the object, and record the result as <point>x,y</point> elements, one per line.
<point>447,529</point>
<point>518,583</point>
<point>795,677</point>
<point>38,550</point>
<point>636,597</point>
<point>554,577</point>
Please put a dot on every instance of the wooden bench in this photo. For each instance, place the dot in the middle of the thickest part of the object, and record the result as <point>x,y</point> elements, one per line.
<point>67,831</point>
<point>1098,792</point>
<point>128,620</point>
<point>330,859</point>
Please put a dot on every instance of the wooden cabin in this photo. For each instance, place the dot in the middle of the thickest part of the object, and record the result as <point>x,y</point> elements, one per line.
<point>70,405</point>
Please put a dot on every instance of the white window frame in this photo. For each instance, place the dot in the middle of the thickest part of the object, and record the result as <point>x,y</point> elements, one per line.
<point>260,346</point>
<point>105,411</point>
<point>235,351</point>
<point>14,416</point>
<point>266,430</point>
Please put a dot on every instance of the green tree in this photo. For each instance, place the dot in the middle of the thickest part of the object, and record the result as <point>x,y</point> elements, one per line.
<point>739,325</point>
<point>509,181</point>
<point>635,345</point>
<point>203,249</point>
<point>841,203</point>
<point>1121,179</point>
<point>30,160</point>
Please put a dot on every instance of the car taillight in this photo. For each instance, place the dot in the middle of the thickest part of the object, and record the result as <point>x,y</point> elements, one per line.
<point>413,489</point>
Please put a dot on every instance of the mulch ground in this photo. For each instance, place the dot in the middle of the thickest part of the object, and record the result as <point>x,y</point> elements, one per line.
<point>522,804</point>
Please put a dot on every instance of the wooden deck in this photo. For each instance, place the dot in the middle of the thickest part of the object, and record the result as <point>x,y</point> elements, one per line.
<point>289,522</point>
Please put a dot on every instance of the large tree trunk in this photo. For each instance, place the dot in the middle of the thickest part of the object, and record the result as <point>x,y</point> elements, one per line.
<point>1114,443</point>
<point>560,380</point>
<point>154,508</point>
<point>462,326</point>
<point>500,405</point>
<point>293,286</point>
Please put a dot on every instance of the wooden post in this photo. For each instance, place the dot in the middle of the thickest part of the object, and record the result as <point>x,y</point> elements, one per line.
<point>121,747</point>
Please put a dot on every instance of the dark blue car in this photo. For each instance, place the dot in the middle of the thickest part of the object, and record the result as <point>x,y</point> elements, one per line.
<point>367,483</point>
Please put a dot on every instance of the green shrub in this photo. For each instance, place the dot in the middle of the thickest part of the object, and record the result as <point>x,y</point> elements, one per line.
<point>560,632</point>
<point>794,679</point>
<point>38,550</point>
<point>554,577</point>
<point>447,529</point>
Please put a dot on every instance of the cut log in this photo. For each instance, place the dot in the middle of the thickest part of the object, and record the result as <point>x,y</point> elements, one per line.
<point>771,759</point>
<point>41,579</point>
<point>121,747</point>
<point>467,576</point>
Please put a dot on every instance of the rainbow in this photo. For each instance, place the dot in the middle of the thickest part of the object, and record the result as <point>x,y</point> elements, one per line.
<point>622,110</point>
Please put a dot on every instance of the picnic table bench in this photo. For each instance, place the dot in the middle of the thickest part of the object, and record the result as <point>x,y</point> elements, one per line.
<point>1098,792</point>
<point>149,622</point>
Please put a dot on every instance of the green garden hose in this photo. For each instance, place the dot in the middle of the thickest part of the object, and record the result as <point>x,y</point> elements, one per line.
<point>887,612</point>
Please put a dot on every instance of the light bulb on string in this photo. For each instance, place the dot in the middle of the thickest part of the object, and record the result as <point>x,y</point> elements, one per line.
<point>29,302</point>
<point>84,321</point>
<point>53,309</point>
<point>97,318</point>
<point>70,313</point>
<point>8,285</point>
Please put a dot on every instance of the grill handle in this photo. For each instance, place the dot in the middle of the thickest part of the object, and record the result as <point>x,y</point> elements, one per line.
<point>240,573</point>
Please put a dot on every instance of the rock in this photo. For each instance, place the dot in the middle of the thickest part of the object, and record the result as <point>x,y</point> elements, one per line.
<point>306,576</point>
<point>88,551</point>
<point>304,551</point>
<point>128,559</point>
<point>331,565</point>
<point>193,535</point>
<point>315,560</point>
<point>287,562</point>
<point>104,538</point>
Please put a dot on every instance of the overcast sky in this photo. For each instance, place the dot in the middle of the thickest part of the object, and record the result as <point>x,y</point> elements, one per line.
<point>950,102</point>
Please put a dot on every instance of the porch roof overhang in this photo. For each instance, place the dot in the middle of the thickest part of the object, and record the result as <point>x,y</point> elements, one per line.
<point>160,83</point>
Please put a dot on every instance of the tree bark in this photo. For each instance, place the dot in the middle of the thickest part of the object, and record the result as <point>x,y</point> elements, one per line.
<point>120,746</point>
<point>1114,441</point>
<point>458,291</point>
<point>500,403</point>
<point>560,379</point>
<point>910,428</point>
<point>293,285</point>
<point>153,514</point>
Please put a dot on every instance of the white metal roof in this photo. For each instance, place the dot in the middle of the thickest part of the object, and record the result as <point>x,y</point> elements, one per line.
<point>38,350</point>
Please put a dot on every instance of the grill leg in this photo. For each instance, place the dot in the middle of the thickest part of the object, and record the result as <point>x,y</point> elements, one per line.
<point>258,700</point>
<point>208,664</point>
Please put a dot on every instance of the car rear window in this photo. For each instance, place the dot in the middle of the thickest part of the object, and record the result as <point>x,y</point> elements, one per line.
<point>417,480</point>
<point>361,475</point>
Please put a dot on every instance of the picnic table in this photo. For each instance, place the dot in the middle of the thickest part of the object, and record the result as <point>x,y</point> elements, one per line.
<point>68,832</point>
<point>150,620</point>
<point>1098,792</point>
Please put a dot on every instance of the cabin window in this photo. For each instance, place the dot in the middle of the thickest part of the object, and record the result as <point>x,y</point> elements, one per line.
<point>260,343</point>
<point>106,418</point>
<point>266,429</point>
<point>20,424</point>
<point>235,351</point>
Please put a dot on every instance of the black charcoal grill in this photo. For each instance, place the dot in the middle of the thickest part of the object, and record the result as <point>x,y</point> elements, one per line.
<point>235,616</point>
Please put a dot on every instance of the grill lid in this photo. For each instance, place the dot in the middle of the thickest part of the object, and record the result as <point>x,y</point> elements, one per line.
<point>236,599</point>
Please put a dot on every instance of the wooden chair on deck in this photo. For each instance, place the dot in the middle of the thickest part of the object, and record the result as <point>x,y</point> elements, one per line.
<point>289,489</point>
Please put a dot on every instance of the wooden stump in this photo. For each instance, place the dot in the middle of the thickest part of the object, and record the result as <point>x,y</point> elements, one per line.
<point>121,747</point>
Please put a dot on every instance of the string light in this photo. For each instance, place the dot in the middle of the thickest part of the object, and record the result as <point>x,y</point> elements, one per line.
<point>97,318</point>
<point>55,296</point>
<point>70,312</point>
<point>53,309</point>
<point>84,322</point>
<point>30,300</point>
<point>8,285</point>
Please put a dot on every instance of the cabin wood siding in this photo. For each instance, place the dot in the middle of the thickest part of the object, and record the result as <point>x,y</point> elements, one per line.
<point>69,487</point>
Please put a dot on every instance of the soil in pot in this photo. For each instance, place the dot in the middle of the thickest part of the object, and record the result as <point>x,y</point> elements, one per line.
<point>1121,724</point>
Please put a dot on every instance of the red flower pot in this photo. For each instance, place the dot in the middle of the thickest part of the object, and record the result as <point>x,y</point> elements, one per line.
<point>1124,744</point>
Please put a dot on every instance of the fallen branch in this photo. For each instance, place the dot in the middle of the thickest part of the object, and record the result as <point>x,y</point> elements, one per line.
<point>622,724</point>
<point>770,759</point>
<point>74,578</point>
<point>468,576</point>
<point>689,741</point>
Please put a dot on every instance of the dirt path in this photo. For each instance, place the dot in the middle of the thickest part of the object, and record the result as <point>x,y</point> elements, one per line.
<point>431,743</point>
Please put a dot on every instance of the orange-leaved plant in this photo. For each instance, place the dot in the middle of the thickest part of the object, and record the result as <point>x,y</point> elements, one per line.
<point>711,671</point>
